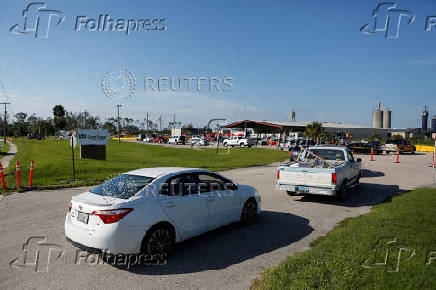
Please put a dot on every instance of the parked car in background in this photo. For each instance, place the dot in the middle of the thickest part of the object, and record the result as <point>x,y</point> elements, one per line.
<point>35,137</point>
<point>148,139</point>
<point>140,137</point>
<point>148,210</point>
<point>158,139</point>
<point>404,146</point>
<point>262,141</point>
<point>365,147</point>
<point>273,142</point>
<point>199,141</point>
<point>238,141</point>
<point>177,140</point>
<point>64,135</point>
<point>377,146</point>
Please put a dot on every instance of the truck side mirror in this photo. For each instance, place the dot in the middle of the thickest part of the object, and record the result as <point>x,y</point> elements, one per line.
<point>359,159</point>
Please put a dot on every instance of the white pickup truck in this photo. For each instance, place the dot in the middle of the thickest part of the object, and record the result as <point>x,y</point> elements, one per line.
<point>320,170</point>
<point>238,141</point>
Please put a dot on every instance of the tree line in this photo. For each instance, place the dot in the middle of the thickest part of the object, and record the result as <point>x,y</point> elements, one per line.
<point>23,124</point>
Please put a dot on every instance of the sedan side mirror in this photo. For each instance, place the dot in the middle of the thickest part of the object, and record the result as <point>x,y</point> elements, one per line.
<point>359,159</point>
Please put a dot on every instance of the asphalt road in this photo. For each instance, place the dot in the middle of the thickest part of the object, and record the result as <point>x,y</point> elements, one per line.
<point>226,258</point>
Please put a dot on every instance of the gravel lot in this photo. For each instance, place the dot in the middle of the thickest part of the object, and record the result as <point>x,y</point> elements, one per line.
<point>229,257</point>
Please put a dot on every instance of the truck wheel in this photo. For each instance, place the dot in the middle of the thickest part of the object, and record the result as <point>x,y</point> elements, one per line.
<point>357,184</point>
<point>242,144</point>
<point>291,193</point>
<point>341,194</point>
<point>225,145</point>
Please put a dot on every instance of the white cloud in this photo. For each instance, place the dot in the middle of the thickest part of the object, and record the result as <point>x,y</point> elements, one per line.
<point>423,61</point>
<point>189,107</point>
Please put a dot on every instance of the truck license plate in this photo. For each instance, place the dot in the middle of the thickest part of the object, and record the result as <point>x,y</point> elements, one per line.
<point>82,217</point>
<point>302,189</point>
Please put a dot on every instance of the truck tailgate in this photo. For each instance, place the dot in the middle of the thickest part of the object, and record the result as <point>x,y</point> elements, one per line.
<point>307,178</point>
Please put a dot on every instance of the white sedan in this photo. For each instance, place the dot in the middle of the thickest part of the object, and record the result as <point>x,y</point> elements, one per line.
<point>148,210</point>
<point>199,141</point>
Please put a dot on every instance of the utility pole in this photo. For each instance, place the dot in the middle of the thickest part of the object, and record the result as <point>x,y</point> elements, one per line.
<point>119,124</point>
<point>5,122</point>
<point>160,122</point>
<point>146,131</point>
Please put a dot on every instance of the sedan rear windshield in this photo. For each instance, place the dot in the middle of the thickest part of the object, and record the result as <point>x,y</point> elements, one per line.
<point>123,186</point>
<point>327,154</point>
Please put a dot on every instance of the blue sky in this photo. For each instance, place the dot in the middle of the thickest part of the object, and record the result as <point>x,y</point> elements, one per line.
<point>308,56</point>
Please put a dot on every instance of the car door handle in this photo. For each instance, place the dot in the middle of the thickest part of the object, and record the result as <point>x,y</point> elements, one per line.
<point>169,204</point>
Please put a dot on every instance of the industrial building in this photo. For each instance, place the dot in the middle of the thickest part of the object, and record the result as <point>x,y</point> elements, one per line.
<point>381,118</point>
<point>288,127</point>
<point>381,125</point>
<point>424,120</point>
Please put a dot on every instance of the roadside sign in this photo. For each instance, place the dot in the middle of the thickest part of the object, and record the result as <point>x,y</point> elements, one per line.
<point>92,137</point>
<point>73,141</point>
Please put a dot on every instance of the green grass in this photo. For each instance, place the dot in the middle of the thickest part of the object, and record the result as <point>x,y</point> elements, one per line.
<point>425,142</point>
<point>53,165</point>
<point>4,148</point>
<point>335,260</point>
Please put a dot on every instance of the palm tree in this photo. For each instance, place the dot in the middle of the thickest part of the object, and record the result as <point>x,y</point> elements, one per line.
<point>314,130</point>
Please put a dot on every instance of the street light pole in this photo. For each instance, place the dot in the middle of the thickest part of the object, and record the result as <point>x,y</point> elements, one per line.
<point>119,125</point>
<point>146,132</point>
<point>5,122</point>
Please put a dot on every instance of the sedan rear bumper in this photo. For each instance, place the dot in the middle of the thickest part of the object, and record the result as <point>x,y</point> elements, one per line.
<point>115,238</point>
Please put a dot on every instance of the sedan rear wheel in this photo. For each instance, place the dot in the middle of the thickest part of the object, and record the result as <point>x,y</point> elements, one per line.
<point>249,212</point>
<point>158,241</point>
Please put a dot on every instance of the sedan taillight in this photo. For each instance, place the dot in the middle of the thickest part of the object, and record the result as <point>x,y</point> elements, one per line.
<point>112,215</point>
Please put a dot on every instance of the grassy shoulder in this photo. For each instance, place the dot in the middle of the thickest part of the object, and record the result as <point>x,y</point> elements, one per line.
<point>353,254</point>
<point>4,148</point>
<point>53,162</point>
